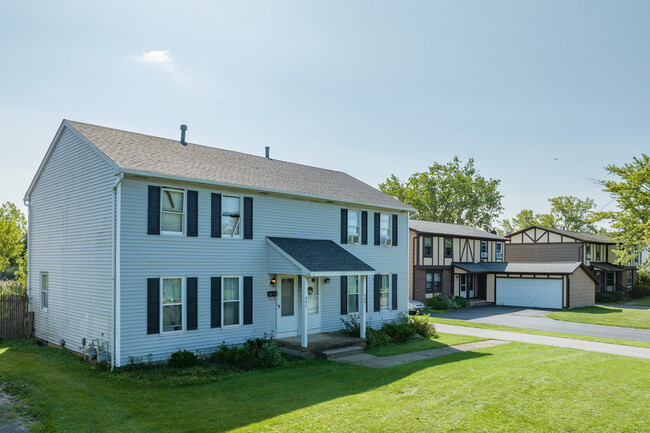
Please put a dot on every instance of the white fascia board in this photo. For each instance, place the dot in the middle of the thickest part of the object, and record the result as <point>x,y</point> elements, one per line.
<point>261,189</point>
<point>339,273</point>
<point>50,150</point>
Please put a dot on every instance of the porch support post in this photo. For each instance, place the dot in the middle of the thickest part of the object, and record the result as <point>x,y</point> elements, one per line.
<point>305,314</point>
<point>363,281</point>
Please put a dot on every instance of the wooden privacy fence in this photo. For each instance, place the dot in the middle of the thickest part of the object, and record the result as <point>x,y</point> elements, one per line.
<point>15,320</point>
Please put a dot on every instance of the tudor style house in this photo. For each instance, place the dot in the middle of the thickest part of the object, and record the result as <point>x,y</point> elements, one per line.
<point>437,247</point>
<point>153,245</point>
<point>596,252</point>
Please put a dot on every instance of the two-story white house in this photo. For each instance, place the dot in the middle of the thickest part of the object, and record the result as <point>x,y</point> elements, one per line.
<point>153,245</point>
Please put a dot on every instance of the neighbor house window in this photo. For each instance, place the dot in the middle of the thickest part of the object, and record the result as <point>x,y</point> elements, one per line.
<point>499,250</point>
<point>384,290</point>
<point>384,229</point>
<point>172,209</point>
<point>588,252</point>
<point>630,279</point>
<point>448,247</point>
<point>610,280</point>
<point>172,303</point>
<point>484,250</point>
<point>597,253</point>
<point>232,289</point>
<point>230,216</point>
<point>353,294</point>
<point>428,247</point>
<point>44,290</point>
<point>354,227</point>
<point>433,282</point>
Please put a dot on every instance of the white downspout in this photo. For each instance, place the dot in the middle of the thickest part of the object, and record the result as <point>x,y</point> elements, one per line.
<point>26,202</point>
<point>120,176</point>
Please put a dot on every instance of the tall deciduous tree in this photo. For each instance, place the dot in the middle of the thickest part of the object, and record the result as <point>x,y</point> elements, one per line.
<point>13,235</point>
<point>567,213</point>
<point>631,222</point>
<point>452,193</point>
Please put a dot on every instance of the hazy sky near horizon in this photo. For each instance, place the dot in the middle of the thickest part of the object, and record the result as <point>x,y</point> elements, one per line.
<point>542,95</point>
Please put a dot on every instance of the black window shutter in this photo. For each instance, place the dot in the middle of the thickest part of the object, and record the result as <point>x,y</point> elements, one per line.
<point>376,291</point>
<point>248,218</point>
<point>344,226</point>
<point>215,302</point>
<point>248,300</point>
<point>394,230</point>
<point>377,236</point>
<point>153,305</point>
<point>192,303</point>
<point>394,291</point>
<point>215,215</point>
<point>364,227</point>
<point>153,214</point>
<point>192,213</point>
<point>344,294</point>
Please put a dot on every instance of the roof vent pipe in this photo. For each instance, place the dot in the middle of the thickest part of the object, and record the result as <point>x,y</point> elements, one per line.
<point>183,129</point>
<point>267,152</point>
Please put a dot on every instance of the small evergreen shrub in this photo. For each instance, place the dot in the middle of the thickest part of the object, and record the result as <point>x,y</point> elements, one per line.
<point>423,326</point>
<point>460,302</point>
<point>377,337</point>
<point>236,356</point>
<point>437,303</point>
<point>269,355</point>
<point>182,359</point>
<point>399,332</point>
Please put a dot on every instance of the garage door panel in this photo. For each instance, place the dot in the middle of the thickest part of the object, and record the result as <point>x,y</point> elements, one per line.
<point>528,292</point>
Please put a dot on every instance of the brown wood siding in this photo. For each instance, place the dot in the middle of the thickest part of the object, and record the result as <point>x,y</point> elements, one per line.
<point>583,290</point>
<point>543,252</point>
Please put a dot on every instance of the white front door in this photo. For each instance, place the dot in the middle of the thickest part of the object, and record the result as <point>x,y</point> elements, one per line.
<point>314,304</point>
<point>466,282</point>
<point>288,307</point>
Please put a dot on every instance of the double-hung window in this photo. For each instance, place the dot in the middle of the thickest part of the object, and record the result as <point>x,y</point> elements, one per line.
<point>231,216</point>
<point>172,303</point>
<point>384,291</point>
<point>354,227</point>
<point>448,248</point>
<point>353,294</point>
<point>427,250</point>
<point>44,290</point>
<point>384,230</point>
<point>630,278</point>
<point>172,211</point>
<point>588,252</point>
<point>433,282</point>
<point>597,253</point>
<point>484,251</point>
<point>232,295</point>
<point>499,250</point>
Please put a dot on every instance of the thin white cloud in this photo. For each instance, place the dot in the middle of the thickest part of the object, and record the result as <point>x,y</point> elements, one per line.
<point>162,59</point>
<point>155,56</point>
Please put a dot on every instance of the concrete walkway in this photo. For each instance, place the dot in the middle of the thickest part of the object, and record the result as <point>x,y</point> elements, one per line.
<point>373,361</point>
<point>592,346</point>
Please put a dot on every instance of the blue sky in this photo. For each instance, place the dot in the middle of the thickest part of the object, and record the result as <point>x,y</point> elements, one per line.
<point>366,87</point>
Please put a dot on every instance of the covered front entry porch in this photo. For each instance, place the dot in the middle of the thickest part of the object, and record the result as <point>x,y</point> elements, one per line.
<point>308,276</point>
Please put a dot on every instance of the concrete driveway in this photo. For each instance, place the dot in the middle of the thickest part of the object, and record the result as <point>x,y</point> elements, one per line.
<point>532,318</point>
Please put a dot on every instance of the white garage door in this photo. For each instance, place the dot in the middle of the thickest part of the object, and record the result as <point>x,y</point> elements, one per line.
<point>528,292</point>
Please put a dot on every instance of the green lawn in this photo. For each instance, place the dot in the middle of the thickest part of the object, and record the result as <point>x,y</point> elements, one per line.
<point>457,322</point>
<point>600,315</point>
<point>443,340</point>
<point>645,302</point>
<point>512,387</point>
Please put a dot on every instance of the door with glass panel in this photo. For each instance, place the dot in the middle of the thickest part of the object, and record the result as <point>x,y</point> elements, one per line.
<point>313,304</point>
<point>287,306</point>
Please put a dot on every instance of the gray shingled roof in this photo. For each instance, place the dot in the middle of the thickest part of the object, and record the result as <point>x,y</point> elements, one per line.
<point>585,237</point>
<point>447,229</point>
<point>607,267</point>
<point>144,153</point>
<point>520,268</point>
<point>319,255</point>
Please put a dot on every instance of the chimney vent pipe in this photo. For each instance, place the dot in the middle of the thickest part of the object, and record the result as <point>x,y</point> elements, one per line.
<point>267,152</point>
<point>183,129</point>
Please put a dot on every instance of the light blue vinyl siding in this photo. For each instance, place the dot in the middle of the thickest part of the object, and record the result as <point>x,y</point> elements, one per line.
<point>145,256</point>
<point>71,240</point>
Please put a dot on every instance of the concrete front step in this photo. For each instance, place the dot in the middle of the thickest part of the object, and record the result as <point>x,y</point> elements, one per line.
<point>342,351</point>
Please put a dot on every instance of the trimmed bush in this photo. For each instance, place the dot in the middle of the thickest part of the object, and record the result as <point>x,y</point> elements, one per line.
<point>438,303</point>
<point>640,290</point>
<point>182,359</point>
<point>399,332</point>
<point>423,326</point>
<point>235,356</point>
<point>609,297</point>
<point>460,301</point>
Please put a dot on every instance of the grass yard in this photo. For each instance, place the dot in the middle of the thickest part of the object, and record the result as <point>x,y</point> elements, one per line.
<point>512,387</point>
<point>457,322</point>
<point>644,302</point>
<point>443,340</point>
<point>600,315</point>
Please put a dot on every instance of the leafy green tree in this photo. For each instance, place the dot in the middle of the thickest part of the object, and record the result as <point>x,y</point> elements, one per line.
<point>567,213</point>
<point>13,236</point>
<point>631,222</point>
<point>451,193</point>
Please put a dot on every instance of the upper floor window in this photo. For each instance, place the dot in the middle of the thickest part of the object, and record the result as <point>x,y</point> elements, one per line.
<point>428,247</point>
<point>172,303</point>
<point>597,252</point>
<point>354,227</point>
<point>230,216</point>
<point>588,251</point>
<point>172,210</point>
<point>353,294</point>
<point>384,229</point>
<point>448,248</point>
<point>44,290</point>
<point>384,290</point>
<point>484,251</point>
<point>499,250</point>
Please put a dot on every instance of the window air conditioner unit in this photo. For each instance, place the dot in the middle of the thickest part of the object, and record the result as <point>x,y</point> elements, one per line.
<point>353,239</point>
<point>387,242</point>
